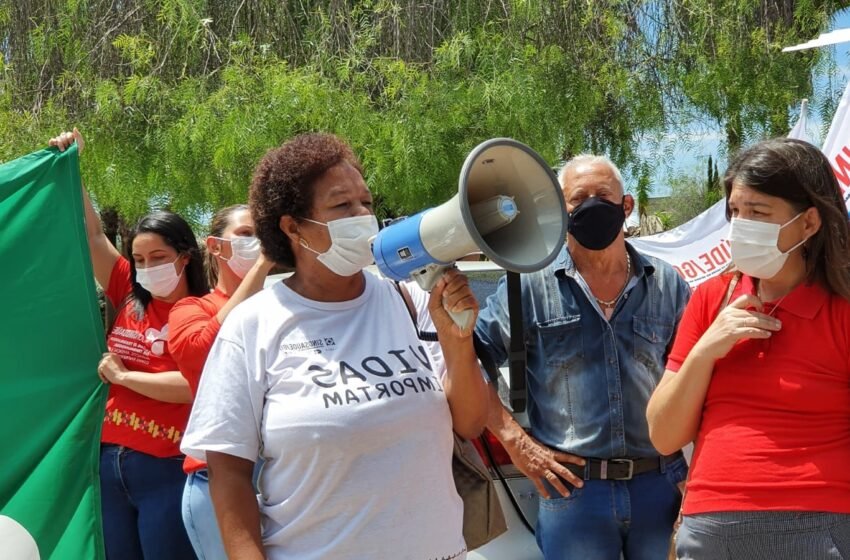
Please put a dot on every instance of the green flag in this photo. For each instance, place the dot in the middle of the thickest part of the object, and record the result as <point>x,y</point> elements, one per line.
<point>51,338</point>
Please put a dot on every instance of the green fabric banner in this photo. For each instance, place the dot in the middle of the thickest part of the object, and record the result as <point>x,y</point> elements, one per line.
<point>51,338</point>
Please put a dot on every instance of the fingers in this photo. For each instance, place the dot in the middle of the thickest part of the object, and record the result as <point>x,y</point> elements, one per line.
<point>563,473</point>
<point>556,483</point>
<point>457,295</point>
<point>540,464</point>
<point>436,299</point>
<point>752,332</point>
<point>747,300</point>
<point>101,368</point>
<point>109,368</point>
<point>541,488</point>
<point>62,141</point>
<point>561,457</point>
<point>78,138</point>
<point>762,321</point>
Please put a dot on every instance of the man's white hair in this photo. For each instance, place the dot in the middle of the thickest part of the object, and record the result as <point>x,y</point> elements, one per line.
<point>590,159</point>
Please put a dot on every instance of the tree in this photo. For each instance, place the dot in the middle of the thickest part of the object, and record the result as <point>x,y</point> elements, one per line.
<point>642,191</point>
<point>180,98</point>
<point>713,191</point>
<point>690,196</point>
<point>728,56</point>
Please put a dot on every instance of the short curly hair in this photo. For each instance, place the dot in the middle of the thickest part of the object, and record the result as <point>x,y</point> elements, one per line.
<point>283,186</point>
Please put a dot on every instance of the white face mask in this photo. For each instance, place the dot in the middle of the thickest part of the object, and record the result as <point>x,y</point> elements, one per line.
<point>351,248</point>
<point>754,247</point>
<point>244,252</point>
<point>160,280</point>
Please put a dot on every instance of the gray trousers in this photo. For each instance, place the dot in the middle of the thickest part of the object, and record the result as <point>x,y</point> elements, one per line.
<point>764,535</point>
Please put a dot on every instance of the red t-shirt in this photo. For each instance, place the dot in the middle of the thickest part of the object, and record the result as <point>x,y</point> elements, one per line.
<point>193,328</point>
<point>132,419</point>
<point>775,430</point>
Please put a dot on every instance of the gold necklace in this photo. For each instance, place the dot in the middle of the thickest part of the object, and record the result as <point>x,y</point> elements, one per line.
<point>613,302</point>
<point>774,306</point>
<point>766,342</point>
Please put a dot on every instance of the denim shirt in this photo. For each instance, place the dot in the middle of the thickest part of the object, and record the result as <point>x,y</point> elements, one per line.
<point>589,379</point>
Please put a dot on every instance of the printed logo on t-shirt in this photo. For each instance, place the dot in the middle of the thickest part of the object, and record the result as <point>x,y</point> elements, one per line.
<point>132,345</point>
<point>315,346</point>
<point>139,423</point>
<point>157,339</point>
<point>395,373</point>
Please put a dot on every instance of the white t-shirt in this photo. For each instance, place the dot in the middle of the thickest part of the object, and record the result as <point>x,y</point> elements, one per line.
<point>346,406</point>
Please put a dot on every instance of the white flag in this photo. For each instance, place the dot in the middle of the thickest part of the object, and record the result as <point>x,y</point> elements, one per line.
<point>837,143</point>
<point>800,130</point>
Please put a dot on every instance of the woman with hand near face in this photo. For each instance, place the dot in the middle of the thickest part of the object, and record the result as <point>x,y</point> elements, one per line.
<point>149,400</point>
<point>237,269</point>
<point>762,385</point>
<point>324,376</point>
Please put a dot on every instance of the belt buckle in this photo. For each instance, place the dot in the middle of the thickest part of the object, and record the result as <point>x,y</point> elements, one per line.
<point>629,462</point>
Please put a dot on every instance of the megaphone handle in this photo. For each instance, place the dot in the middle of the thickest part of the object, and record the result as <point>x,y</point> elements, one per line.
<point>461,318</point>
<point>426,280</point>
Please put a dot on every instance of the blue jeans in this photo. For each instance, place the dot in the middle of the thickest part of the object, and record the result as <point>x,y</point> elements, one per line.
<point>606,518</point>
<point>199,518</point>
<point>140,497</point>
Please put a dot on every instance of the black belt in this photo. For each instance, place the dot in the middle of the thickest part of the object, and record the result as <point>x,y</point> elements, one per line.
<point>620,469</point>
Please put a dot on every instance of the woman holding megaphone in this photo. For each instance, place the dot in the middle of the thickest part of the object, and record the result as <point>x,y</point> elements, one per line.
<point>324,376</point>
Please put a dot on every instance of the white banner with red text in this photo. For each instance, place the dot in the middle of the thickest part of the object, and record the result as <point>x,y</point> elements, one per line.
<point>837,144</point>
<point>697,249</point>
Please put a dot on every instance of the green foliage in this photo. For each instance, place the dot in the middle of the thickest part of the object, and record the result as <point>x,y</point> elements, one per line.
<point>667,220</point>
<point>690,196</point>
<point>642,190</point>
<point>713,187</point>
<point>178,99</point>
<point>730,60</point>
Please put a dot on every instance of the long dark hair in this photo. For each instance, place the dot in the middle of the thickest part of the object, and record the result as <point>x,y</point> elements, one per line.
<point>177,234</point>
<point>800,174</point>
<point>219,223</point>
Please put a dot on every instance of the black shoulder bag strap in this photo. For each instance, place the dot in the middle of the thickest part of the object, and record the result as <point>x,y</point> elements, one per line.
<point>517,354</point>
<point>411,309</point>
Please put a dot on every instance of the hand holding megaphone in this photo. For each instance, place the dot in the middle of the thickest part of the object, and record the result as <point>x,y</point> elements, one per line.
<point>509,206</point>
<point>451,292</point>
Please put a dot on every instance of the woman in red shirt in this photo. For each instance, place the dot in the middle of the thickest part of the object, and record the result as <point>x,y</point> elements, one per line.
<point>763,385</point>
<point>237,269</point>
<point>149,399</point>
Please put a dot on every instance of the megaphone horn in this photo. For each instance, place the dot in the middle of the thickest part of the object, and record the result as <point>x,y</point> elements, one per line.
<point>509,206</point>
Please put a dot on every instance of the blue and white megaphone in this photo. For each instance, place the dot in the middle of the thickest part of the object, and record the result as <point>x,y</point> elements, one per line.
<point>509,206</point>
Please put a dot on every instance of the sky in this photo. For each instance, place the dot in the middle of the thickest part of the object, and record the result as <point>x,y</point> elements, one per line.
<point>691,157</point>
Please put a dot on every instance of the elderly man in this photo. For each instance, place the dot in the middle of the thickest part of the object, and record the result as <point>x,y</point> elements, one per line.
<point>599,322</point>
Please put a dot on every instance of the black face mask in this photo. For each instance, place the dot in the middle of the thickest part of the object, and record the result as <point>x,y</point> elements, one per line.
<point>596,222</point>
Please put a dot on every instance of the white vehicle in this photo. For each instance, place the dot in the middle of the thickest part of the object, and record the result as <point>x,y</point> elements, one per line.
<point>517,494</point>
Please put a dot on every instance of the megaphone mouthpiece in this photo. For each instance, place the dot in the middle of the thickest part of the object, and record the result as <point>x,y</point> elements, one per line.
<point>493,213</point>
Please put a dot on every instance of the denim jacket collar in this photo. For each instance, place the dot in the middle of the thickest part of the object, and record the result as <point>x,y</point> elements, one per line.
<point>564,263</point>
